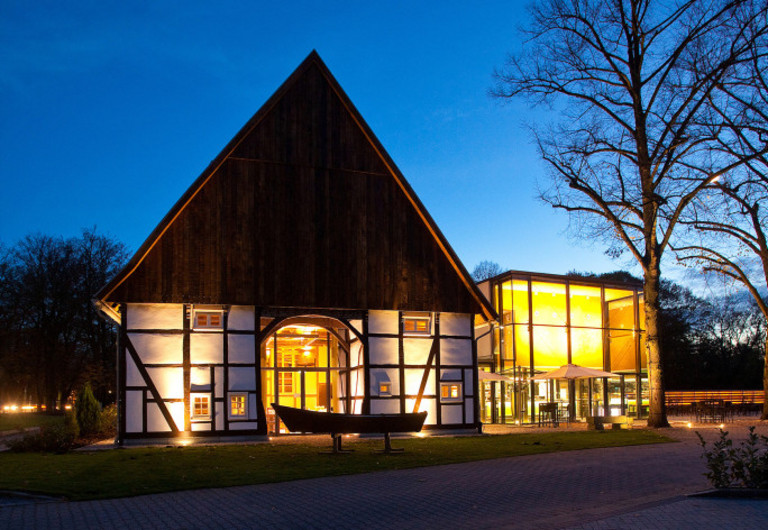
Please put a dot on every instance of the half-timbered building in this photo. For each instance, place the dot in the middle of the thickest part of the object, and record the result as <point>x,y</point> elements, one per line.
<point>299,268</point>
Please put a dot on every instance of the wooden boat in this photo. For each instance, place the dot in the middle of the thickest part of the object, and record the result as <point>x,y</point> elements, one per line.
<point>336,424</point>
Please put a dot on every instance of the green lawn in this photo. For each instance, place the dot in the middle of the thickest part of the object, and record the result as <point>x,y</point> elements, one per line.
<point>10,421</point>
<point>127,472</point>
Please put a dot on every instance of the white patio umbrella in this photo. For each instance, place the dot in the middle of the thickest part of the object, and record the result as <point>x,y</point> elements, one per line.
<point>488,376</point>
<point>572,371</point>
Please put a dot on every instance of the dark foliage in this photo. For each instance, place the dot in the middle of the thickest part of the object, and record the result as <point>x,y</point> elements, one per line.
<point>745,466</point>
<point>88,412</point>
<point>51,337</point>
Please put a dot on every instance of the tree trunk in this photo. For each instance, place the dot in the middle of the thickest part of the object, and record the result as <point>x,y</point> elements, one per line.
<point>764,415</point>
<point>658,411</point>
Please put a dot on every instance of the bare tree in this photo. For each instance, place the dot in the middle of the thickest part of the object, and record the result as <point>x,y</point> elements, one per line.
<point>51,338</point>
<point>486,269</point>
<point>731,219</point>
<point>632,81</point>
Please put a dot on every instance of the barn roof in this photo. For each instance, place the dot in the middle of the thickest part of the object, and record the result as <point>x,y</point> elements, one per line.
<point>303,208</point>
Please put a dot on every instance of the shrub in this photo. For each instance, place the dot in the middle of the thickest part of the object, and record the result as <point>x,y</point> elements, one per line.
<point>745,466</point>
<point>70,423</point>
<point>50,438</point>
<point>88,412</point>
<point>108,422</point>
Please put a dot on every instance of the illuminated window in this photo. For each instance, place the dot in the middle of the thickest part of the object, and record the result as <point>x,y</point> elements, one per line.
<point>416,325</point>
<point>385,389</point>
<point>238,405</point>
<point>207,320</point>
<point>285,381</point>
<point>201,406</point>
<point>450,392</point>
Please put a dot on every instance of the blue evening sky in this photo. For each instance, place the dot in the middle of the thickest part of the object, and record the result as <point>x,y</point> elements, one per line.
<point>110,110</point>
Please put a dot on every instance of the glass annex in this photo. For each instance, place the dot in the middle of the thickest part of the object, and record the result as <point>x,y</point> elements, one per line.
<point>546,321</point>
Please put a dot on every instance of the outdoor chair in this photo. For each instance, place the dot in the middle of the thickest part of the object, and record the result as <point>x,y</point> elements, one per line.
<point>548,414</point>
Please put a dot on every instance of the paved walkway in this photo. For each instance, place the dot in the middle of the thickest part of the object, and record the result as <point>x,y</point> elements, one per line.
<point>630,487</point>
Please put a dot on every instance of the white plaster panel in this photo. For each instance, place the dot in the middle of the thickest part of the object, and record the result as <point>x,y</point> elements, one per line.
<point>177,413</point>
<point>168,381</point>
<point>219,419</point>
<point>132,374</point>
<point>155,316</point>
<point>134,410</point>
<point>469,380</point>
<point>383,350</point>
<point>428,404</point>
<point>241,317</point>
<point>416,351</point>
<point>340,358</point>
<point>413,381</point>
<point>383,322</point>
<point>201,426</point>
<point>457,324</point>
<point>243,425</point>
<point>451,414</point>
<point>357,325</point>
<point>206,348</point>
<point>218,373</point>
<point>155,419</point>
<point>385,406</point>
<point>242,349</point>
<point>358,382</point>
<point>253,408</point>
<point>242,379</point>
<point>383,375</point>
<point>450,375</point>
<point>455,351</point>
<point>355,354</point>
<point>158,348</point>
<point>200,377</point>
<point>470,411</point>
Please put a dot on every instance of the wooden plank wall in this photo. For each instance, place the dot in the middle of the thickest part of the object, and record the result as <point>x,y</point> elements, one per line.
<point>304,213</point>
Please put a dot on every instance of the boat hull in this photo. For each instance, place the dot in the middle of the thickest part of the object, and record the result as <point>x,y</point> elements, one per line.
<point>299,420</point>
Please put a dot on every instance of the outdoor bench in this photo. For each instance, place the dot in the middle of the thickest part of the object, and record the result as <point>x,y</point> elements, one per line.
<point>598,423</point>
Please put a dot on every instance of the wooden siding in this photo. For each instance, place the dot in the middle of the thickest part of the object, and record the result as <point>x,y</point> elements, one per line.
<point>302,210</point>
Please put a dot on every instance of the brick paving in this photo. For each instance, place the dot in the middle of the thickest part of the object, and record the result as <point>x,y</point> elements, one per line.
<point>629,487</point>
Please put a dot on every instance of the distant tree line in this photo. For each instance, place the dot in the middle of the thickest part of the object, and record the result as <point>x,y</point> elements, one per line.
<point>52,338</point>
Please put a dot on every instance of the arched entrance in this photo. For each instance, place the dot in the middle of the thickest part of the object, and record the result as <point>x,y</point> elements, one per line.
<point>305,364</point>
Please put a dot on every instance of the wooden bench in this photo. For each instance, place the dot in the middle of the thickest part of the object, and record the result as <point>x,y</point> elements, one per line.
<point>598,423</point>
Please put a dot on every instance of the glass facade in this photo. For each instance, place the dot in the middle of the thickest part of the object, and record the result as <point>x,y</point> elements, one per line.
<point>549,321</point>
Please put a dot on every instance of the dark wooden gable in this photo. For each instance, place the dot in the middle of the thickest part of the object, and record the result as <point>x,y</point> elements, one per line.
<point>303,209</point>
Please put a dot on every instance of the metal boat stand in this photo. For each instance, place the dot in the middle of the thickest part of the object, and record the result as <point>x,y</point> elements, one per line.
<point>388,449</point>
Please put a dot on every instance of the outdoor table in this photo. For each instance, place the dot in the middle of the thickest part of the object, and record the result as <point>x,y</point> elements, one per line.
<point>710,411</point>
<point>548,413</point>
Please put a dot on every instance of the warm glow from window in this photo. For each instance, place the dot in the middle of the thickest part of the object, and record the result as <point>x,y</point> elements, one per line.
<point>201,406</point>
<point>205,320</point>
<point>385,389</point>
<point>587,347</point>
<point>416,325</point>
<point>586,308</point>
<point>550,347</point>
<point>450,392</point>
<point>549,306</point>
<point>237,405</point>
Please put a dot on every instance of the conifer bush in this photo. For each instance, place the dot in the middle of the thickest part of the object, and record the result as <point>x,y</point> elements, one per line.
<point>88,412</point>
